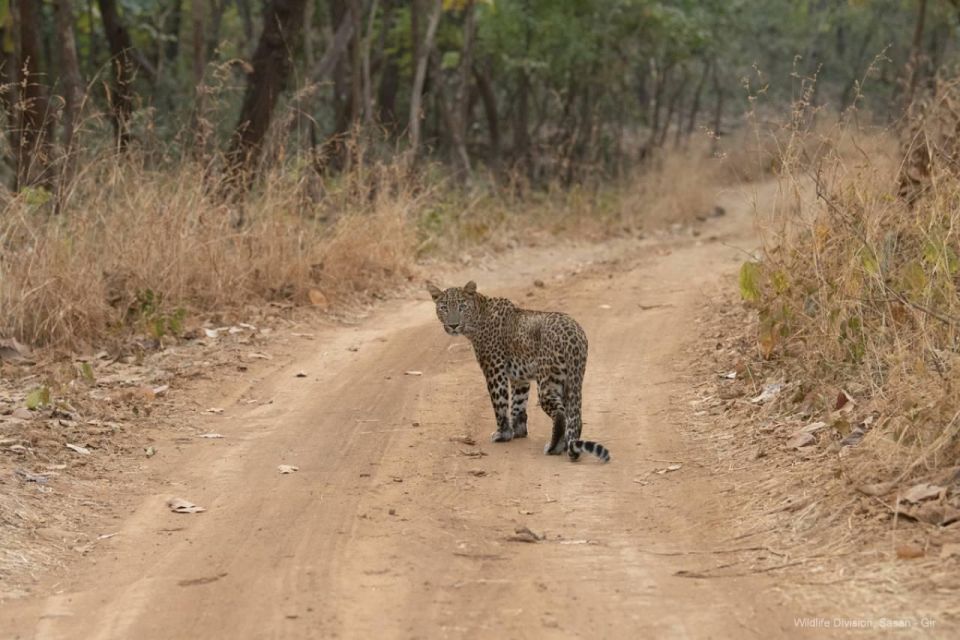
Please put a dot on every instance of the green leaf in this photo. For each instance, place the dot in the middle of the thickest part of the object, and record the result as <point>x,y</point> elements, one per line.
<point>750,281</point>
<point>38,398</point>
<point>86,371</point>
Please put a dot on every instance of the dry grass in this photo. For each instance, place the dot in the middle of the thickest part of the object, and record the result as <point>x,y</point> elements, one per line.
<point>137,248</point>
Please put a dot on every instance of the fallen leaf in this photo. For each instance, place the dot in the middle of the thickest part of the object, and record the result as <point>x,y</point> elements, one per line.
<point>671,468</point>
<point>150,452</point>
<point>317,298</point>
<point>539,284</point>
<point>922,491</point>
<point>813,427</point>
<point>930,512</point>
<point>875,489</point>
<point>162,389</point>
<point>214,410</point>
<point>730,376</point>
<point>769,392</point>
<point>287,468</point>
<point>524,534</point>
<point>39,397</point>
<point>179,505</point>
<point>81,450</point>
<point>909,551</point>
<point>301,374</point>
<point>843,401</point>
<point>801,439</point>
<point>259,356</point>
<point>211,333</point>
<point>212,436</point>
<point>467,440</point>
<point>13,350</point>
<point>413,373</point>
<point>605,306</point>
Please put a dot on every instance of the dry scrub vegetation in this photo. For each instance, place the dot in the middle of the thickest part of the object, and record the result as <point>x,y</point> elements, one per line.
<point>847,382</point>
<point>145,249</point>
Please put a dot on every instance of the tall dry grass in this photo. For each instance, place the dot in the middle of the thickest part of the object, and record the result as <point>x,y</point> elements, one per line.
<point>857,286</point>
<point>139,247</point>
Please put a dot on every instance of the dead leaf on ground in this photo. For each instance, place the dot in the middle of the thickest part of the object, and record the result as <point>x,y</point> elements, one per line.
<point>211,436</point>
<point>479,473</point>
<point>256,355</point>
<point>179,505</point>
<point>931,513</point>
<point>413,373</point>
<point>670,469</point>
<point>909,551</point>
<point>81,450</point>
<point>843,401</point>
<point>769,392</point>
<point>467,440</point>
<point>150,452</point>
<point>317,299</point>
<point>287,468</point>
<point>524,534</point>
<point>214,410</point>
<point>801,439</point>
<point>922,491</point>
<point>12,350</point>
<point>876,488</point>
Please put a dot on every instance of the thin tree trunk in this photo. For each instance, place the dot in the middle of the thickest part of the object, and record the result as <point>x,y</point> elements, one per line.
<point>367,81</point>
<point>71,82</point>
<point>247,16</point>
<point>389,74</point>
<point>121,97</point>
<point>32,153</point>
<point>462,102</point>
<point>697,95</point>
<point>489,98</point>
<point>217,8</point>
<point>172,24</point>
<point>271,69</point>
<point>198,14</point>
<point>916,49</point>
<point>717,110</point>
<point>420,75</point>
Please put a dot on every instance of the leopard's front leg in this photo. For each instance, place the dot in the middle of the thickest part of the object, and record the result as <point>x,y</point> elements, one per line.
<point>499,391</point>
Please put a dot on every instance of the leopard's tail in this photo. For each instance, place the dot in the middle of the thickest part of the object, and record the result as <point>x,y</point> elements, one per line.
<point>576,447</point>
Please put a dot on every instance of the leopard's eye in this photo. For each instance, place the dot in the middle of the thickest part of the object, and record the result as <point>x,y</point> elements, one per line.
<point>463,306</point>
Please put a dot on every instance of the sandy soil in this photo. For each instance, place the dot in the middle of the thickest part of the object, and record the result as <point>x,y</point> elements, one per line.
<point>402,520</point>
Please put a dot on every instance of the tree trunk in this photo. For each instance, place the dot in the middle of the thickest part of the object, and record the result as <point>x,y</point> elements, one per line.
<point>121,97</point>
<point>71,82</point>
<point>198,13</point>
<point>697,95</point>
<point>717,110</point>
<point>271,68</point>
<point>172,24</point>
<point>489,98</point>
<point>244,7</point>
<point>462,102</point>
<point>420,75</point>
<point>367,81</point>
<point>217,7</point>
<point>914,71</point>
<point>32,156</point>
<point>389,75</point>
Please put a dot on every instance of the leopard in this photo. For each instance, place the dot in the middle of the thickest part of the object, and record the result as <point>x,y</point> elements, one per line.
<point>515,347</point>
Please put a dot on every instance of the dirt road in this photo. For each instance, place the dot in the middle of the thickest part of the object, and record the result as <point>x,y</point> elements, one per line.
<point>397,526</point>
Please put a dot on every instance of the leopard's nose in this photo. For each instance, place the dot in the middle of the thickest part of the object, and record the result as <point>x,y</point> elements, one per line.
<point>453,326</point>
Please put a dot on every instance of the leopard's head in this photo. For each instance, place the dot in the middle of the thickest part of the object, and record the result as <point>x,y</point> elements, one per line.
<point>457,307</point>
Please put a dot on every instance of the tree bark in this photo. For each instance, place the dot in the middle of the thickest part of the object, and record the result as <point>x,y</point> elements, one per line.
<point>916,49</point>
<point>697,95</point>
<point>271,68</point>
<point>198,14</point>
<point>489,98</point>
<point>416,95</point>
<point>121,97</point>
<point>32,155</point>
<point>367,80</point>
<point>70,80</point>
<point>389,76</point>
<point>462,102</point>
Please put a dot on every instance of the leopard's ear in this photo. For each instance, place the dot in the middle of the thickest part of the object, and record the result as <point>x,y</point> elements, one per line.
<point>470,287</point>
<point>435,291</point>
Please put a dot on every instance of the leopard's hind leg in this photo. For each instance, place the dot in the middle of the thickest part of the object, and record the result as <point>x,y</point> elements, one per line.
<point>550,391</point>
<point>520,390</point>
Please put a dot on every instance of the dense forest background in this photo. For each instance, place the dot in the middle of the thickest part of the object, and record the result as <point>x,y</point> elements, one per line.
<point>545,89</point>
